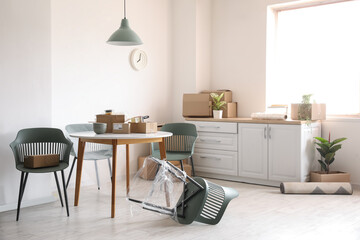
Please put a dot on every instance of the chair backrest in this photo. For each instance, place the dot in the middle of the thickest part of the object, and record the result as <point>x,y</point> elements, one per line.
<point>183,139</point>
<point>90,147</point>
<point>40,141</point>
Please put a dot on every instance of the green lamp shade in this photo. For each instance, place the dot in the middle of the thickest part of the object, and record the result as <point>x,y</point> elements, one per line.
<point>124,36</point>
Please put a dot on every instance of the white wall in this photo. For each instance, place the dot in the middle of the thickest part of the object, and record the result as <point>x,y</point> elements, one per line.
<point>89,76</point>
<point>25,91</point>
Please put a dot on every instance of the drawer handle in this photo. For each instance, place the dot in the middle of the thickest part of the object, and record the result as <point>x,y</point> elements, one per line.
<point>215,158</point>
<point>210,140</point>
<point>209,127</point>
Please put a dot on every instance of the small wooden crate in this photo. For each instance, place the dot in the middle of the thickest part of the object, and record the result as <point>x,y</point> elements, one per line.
<point>39,161</point>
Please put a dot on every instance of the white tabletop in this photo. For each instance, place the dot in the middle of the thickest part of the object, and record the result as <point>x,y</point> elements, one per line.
<point>93,135</point>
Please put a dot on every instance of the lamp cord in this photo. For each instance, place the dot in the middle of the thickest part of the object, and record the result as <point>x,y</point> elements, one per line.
<point>125,9</point>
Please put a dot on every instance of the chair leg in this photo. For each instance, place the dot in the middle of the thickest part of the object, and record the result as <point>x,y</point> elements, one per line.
<point>109,163</point>
<point>71,170</point>
<point>192,166</point>
<point>21,192</point>
<point>97,175</point>
<point>182,165</point>
<point>58,188</point>
<point>65,193</point>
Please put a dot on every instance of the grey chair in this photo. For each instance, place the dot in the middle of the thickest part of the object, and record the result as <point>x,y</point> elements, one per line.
<point>41,141</point>
<point>93,151</point>
<point>180,145</point>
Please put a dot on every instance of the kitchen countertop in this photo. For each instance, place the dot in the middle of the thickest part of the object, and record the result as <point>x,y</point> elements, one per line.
<point>250,120</point>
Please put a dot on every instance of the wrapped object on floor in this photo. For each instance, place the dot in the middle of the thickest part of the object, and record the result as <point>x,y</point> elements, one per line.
<point>183,198</point>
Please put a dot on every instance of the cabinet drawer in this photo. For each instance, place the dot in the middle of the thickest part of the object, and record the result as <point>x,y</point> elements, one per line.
<point>215,161</point>
<point>219,127</point>
<point>220,141</point>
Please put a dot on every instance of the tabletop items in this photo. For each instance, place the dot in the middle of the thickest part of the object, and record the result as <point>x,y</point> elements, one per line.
<point>116,123</point>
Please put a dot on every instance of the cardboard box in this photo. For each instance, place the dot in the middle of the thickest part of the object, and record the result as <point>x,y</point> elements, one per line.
<point>39,161</point>
<point>331,177</point>
<point>149,170</point>
<point>121,128</point>
<point>109,120</point>
<point>227,94</point>
<point>197,105</point>
<point>317,111</point>
<point>146,127</point>
<point>230,110</point>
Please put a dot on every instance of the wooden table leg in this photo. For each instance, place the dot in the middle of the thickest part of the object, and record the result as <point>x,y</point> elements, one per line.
<point>80,160</point>
<point>127,169</point>
<point>163,156</point>
<point>162,149</point>
<point>113,180</point>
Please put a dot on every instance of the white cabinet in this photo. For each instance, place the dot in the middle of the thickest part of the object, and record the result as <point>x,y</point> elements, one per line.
<point>284,152</point>
<point>255,152</point>
<point>252,153</point>
<point>276,152</point>
<point>216,148</point>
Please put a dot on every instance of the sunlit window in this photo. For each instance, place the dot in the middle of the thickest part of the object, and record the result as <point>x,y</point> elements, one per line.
<point>317,51</point>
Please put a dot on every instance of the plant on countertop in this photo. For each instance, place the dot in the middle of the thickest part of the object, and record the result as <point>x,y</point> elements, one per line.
<point>304,112</point>
<point>217,103</point>
<point>327,150</point>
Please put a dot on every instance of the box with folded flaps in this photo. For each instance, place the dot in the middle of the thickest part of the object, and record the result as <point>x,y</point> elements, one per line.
<point>109,120</point>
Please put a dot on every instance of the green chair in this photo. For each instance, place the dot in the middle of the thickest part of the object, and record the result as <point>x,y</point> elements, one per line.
<point>180,145</point>
<point>41,141</point>
<point>93,151</point>
<point>201,200</point>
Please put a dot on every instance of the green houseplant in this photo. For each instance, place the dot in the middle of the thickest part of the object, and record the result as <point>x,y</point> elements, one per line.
<point>327,150</point>
<point>218,105</point>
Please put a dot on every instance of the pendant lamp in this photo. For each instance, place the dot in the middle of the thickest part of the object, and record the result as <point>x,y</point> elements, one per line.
<point>124,36</point>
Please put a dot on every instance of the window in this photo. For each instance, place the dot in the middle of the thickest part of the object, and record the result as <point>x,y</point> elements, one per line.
<point>317,50</point>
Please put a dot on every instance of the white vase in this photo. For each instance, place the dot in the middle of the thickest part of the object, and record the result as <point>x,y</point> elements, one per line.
<point>217,114</point>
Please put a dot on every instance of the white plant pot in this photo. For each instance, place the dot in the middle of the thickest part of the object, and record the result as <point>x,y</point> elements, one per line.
<point>217,114</point>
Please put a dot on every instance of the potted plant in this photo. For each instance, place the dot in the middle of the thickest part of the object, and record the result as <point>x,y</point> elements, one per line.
<point>327,150</point>
<point>218,105</point>
<point>308,111</point>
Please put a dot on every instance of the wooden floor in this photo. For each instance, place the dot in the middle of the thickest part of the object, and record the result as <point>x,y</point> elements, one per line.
<point>258,213</point>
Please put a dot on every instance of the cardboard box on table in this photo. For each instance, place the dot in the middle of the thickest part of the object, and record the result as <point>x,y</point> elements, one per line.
<point>109,120</point>
<point>121,128</point>
<point>145,127</point>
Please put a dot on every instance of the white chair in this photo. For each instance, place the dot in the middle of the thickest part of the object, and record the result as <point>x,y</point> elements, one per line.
<point>93,151</point>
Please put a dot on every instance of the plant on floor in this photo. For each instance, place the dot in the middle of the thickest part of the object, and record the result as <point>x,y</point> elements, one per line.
<point>327,150</point>
<point>217,103</point>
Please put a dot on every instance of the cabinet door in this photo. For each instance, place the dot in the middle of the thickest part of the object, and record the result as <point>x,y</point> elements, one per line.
<point>284,152</point>
<point>252,150</point>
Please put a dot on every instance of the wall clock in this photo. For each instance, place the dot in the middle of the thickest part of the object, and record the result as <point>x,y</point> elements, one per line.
<point>138,59</point>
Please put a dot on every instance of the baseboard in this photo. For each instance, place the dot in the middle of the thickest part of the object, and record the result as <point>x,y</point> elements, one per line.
<point>29,203</point>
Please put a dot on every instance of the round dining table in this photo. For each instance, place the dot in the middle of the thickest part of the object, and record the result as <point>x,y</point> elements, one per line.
<point>115,140</point>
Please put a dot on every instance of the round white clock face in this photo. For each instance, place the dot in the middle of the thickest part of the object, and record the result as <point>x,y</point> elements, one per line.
<point>138,59</point>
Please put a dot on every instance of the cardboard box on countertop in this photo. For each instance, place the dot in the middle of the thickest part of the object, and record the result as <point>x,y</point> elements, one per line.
<point>317,111</point>
<point>196,105</point>
<point>230,110</point>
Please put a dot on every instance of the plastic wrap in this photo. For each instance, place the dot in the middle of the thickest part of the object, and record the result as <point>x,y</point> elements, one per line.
<point>157,187</point>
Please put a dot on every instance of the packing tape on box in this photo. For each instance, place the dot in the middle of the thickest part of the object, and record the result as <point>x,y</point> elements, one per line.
<point>340,188</point>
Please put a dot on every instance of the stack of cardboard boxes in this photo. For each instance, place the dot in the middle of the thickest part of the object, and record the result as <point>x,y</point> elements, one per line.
<point>200,104</point>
